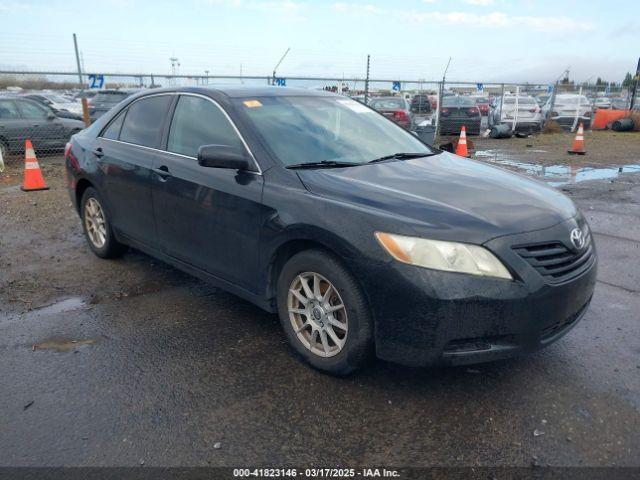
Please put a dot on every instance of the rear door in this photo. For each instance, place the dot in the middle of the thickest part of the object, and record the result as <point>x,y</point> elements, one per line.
<point>207,217</point>
<point>126,152</point>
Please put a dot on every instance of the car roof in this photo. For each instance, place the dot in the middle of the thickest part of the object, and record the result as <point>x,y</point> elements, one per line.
<point>241,91</point>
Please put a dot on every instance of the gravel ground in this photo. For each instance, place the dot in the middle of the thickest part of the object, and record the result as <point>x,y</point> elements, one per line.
<point>130,362</point>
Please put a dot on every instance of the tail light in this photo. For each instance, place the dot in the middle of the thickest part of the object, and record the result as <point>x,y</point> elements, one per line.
<point>401,116</point>
<point>445,111</point>
<point>473,111</point>
<point>71,158</point>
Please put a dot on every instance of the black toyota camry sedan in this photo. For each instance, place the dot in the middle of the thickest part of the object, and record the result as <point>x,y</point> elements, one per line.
<point>364,240</point>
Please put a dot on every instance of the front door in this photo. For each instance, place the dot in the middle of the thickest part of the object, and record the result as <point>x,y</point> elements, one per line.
<point>43,128</point>
<point>207,217</point>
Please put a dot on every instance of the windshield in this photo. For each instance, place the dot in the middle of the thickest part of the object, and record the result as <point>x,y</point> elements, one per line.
<point>57,99</point>
<point>387,103</point>
<point>113,97</point>
<point>316,129</point>
<point>458,102</point>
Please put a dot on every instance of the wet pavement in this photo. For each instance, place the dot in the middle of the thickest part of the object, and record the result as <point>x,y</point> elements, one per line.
<point>129,361</point>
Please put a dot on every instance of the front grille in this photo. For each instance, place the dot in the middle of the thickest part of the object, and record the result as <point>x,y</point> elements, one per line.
<point>556,262</point>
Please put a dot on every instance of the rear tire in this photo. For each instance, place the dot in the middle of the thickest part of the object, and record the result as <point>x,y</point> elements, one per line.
<point>335,340</point>
<point>96,226</point>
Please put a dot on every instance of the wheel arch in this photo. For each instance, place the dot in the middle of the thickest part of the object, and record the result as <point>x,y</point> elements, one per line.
<point>298,242</point>
<point>81,187</point>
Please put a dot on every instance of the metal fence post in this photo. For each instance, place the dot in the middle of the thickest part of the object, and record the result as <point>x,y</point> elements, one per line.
<point>501,102</point>
<point>366,82</point>
<point>75,46</point>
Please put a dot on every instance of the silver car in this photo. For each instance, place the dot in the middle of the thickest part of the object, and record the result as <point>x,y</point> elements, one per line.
<point>527,118</point>
<point>567,107</point>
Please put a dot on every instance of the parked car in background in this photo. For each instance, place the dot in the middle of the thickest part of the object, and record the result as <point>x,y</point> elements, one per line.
<point>22,118</point>
<point>483,104</point>
<point>618,103</point>
<point>568,106</point>
<point>57,112</point>
<point>394,108</point>
<point>364,240</point>
<point>602,103</point>
<point>458,111</point>
<point>529,116</point>
<point>542,99</point>
<point>105,100</point>
<point>421,108</point>
<point>57,102</point>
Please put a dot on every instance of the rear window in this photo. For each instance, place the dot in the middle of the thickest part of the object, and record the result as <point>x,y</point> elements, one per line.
<point>571,99</point>
<point>110,97</point>
<point>521,101</point>
<point>458,102</point>
<point>387,103</point>
<point>144,119</point>
<point>482,100</point>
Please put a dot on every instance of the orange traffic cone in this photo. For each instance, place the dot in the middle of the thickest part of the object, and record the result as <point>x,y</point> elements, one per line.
<point>578,143</point>
<point>33,179</point>
<point>461,148</point>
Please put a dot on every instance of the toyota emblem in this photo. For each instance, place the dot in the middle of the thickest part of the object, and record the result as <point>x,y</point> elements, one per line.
<point>577,238</point>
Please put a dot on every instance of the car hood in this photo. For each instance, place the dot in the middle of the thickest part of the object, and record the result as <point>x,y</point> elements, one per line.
<point>446,196</point>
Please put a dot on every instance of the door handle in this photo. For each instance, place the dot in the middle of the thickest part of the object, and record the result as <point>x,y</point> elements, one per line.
<point>98,152</point>
<point>162,172</point>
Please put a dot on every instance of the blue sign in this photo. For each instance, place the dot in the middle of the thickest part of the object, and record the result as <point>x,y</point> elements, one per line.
<point>96,81</point>
<point>281,82</point>
<point>396,86</point>
<point>480,87</point>
<point>549,88</point>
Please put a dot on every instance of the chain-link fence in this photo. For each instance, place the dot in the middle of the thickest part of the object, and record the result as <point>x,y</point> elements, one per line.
<point>46,107</point>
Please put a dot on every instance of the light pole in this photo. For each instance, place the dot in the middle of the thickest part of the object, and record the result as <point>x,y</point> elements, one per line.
<point>277,65</point>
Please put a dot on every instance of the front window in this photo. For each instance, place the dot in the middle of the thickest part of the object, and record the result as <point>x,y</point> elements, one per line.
<point>197,122</point>
<point>316,129</point>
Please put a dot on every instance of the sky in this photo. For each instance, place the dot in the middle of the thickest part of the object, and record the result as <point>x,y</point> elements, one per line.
<point>487,40</point>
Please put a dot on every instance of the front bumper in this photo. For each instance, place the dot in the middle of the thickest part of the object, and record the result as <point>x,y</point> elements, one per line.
<point>427,317</point>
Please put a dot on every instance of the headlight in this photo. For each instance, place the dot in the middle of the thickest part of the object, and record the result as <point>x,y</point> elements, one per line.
<point>447,256</point>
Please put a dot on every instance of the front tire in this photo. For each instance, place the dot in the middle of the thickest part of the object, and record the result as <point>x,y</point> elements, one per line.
<point>96,226</point>
<point>324,313</point>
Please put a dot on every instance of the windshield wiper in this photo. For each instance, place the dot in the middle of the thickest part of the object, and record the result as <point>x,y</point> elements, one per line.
<point>324,164</point>
<point>401,156</point>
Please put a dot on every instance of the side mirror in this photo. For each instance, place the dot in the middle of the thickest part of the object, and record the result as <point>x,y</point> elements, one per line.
<point>224,156</point>
<point>51,116</point>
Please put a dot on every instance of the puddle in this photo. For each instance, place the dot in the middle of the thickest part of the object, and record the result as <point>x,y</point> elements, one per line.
<point>61,306</point>
<point>61,345</point>
<point>556,175</point>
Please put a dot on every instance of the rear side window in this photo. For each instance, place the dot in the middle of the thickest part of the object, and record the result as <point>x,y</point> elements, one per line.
<point>143,122</point>
<point>113,132</point>
<point>198,122</point>
<point>8,110</point>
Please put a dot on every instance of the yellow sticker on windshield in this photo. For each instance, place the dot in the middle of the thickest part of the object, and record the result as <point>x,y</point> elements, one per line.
<point>252,103</point>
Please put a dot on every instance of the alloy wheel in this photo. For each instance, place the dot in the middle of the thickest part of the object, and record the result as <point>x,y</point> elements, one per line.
<point>95,223</point>
<point>317,314</point>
